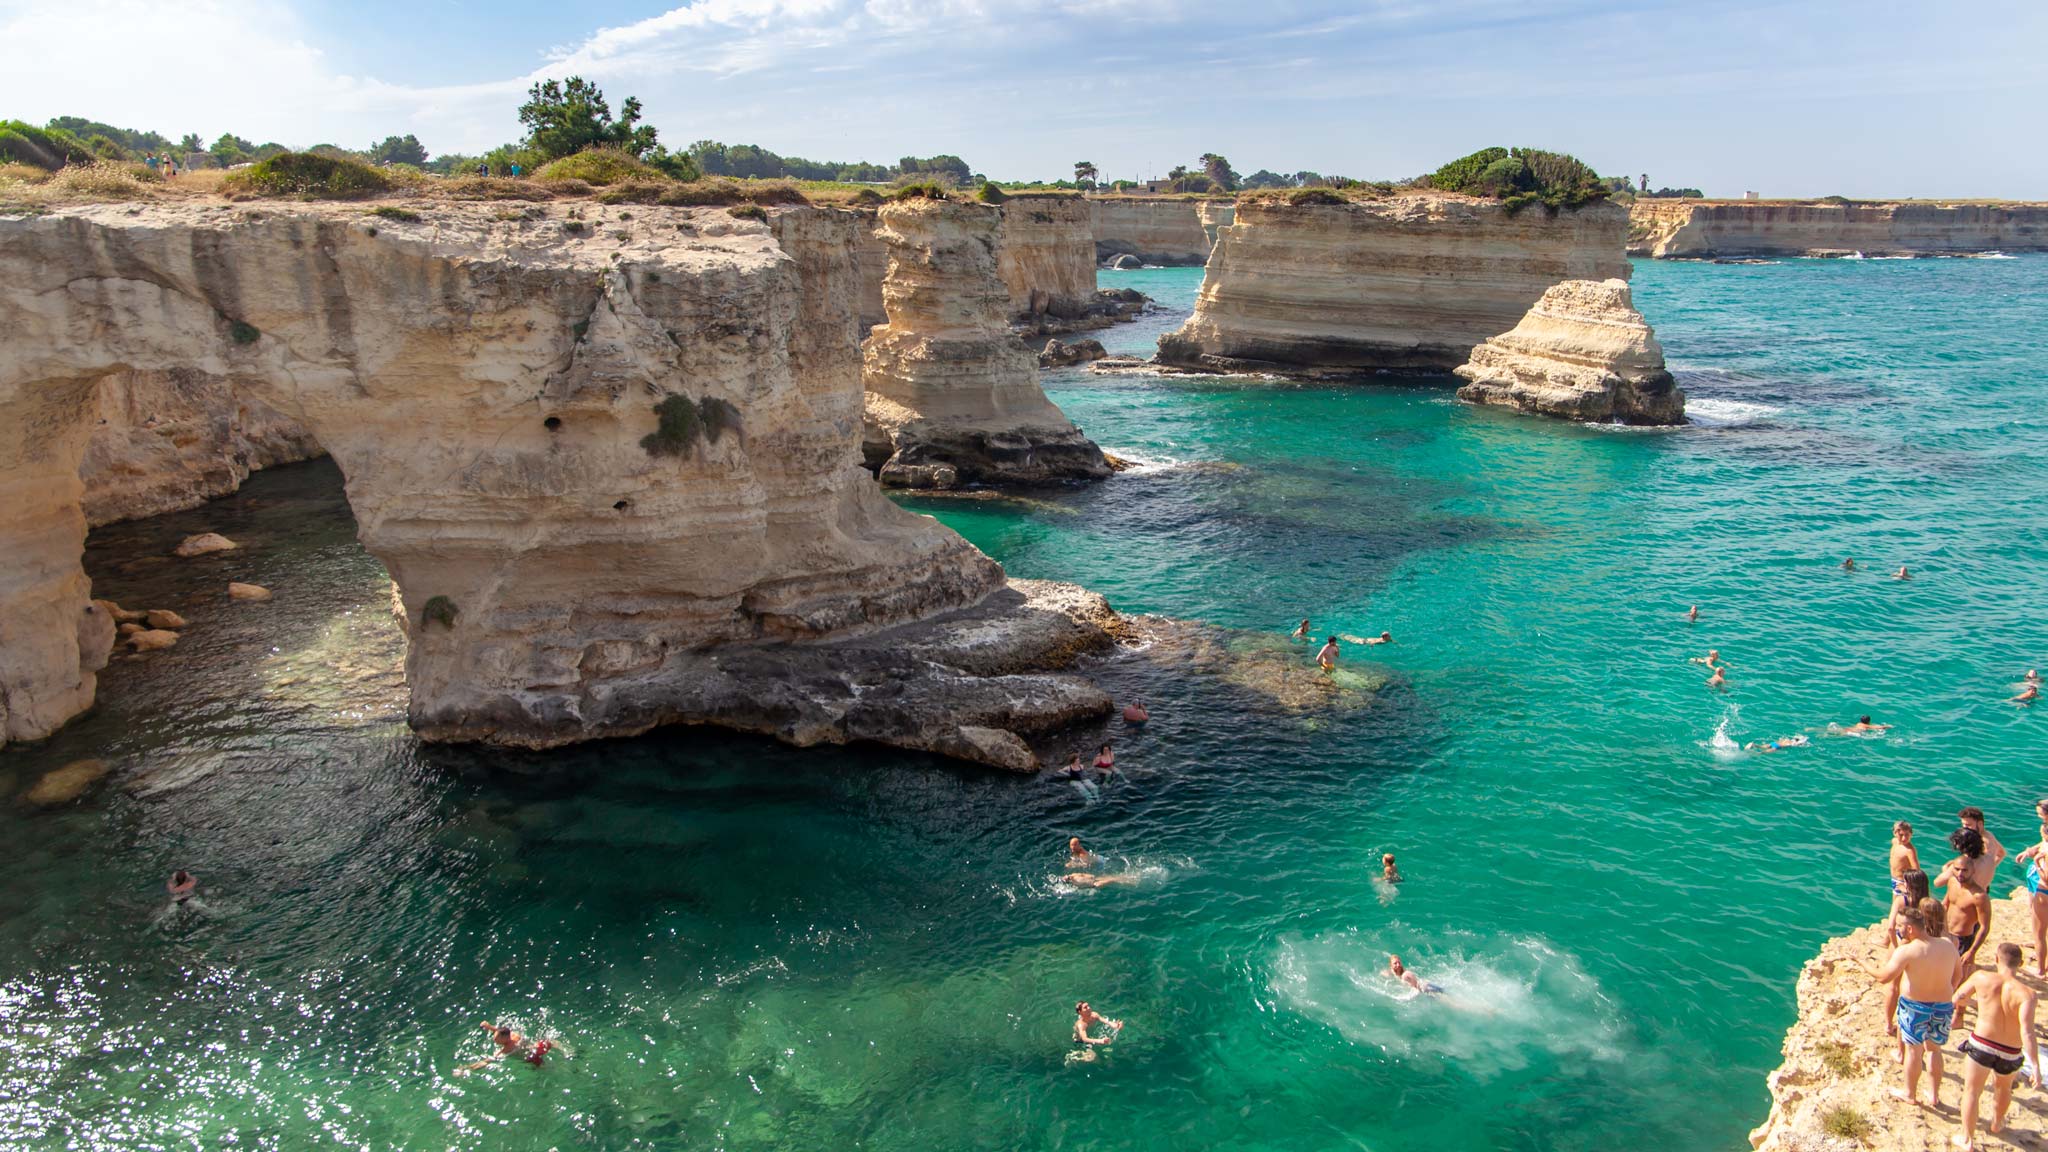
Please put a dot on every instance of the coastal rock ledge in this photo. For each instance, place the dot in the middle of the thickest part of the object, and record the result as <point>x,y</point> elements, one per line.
<point>1840,1066</point>
<point>1582,353</point>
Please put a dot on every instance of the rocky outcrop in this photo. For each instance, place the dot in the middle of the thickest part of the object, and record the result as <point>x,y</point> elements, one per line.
<point>1412,283</point>
<point>165,439</point>
<point>1582,353</point>
<point>947,386</point>
<point>1046,256</point>
<point>1216,215</point>
<point>1163,231</point>
<point>612,465</point>
<point>1064,354</point>
<point>871,259</point>
<point>1739,229</point>
<point>1839,1062</point>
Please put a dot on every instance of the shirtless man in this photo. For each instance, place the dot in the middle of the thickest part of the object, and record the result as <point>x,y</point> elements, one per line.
<point>1904,855</point>
<point>509,1043</point>
<point>1327,658</point>
<point>1388,871</point>
<point>1382,638</point>
<point>1692,614</point>
<point>1994,852</point>
<point>1926,963</point>
<point>1862,725</point>
<point>1085,1041</point>
<point>2027,695</point>
<point>1712,659</point>
<point>1719,679</point>
<point>1079,858</point>
<point>1969,903</point>
<point>1902,574</point>
<point>1091,880</point>
<point>2001,1044</point>
<point>1300,633</point>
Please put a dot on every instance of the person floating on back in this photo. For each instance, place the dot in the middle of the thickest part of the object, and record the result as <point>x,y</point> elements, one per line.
<point>2001,1044</point>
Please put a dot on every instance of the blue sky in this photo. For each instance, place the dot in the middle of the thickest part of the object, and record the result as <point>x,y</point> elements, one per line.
<point>1815,97</point>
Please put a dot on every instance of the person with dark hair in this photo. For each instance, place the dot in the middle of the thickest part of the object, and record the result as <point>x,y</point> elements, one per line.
<point>510,1043</point>
<point>1136,713</point>
<point>1905,857</point>
<point>1849,565</point>
<point>1085,1041</point>
<point>1105,761</point>
<point>1925,966</point>
<point>2034,859</point>
<point>181,886</point>
<point>1300,633</point>
<point>1861,726</point>
<point>1327,658</point>
<point>2001,1044</point>
<point>1994,852</point>
<point>1969,903</point>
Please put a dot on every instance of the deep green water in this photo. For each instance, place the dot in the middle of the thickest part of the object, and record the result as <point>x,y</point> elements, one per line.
<point>750,947</point>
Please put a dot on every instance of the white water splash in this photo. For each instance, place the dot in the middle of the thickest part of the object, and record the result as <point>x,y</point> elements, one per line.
<point>1725,747</point>
<point>1712,413</point>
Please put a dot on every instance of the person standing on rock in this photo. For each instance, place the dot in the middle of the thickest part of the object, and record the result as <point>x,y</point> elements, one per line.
<point>1925,966</point>
<point>1327,658</point>
<point>1905,857</point>
<point>1994,852</point>
<point>2035,861</point>
<point>1969,903</point>
<point>2001,1044</point>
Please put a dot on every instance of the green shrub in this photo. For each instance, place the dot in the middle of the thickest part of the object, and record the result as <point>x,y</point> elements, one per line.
<point>678,428</point>
<point>927,190</point>
<point>718,417</point>
<point>991,194</point>
<point>1308,196</point>
<point>243,332</point>
<point>45,148</point>
<point>748,212</point>
<point>1521,177</point>
<point>1836,1057</point>
<point>393,212</point>
<point>598,167</point>
<point>307,175</point>
<point>437,610</point>
<point>772,194</point>
<point>1460,173</point>
<point>1847,1123</point>
<point>866,198</point>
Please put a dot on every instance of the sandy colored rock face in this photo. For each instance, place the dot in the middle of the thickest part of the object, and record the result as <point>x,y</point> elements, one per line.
<point>1582,353</point>
<point>1696,229</point>
<point>152,639</point>
<point>1167,232</point>
<point>203,544</point>
<point>871,260</point>
<point>63,785</point>
<point>1838,1057</point>
<point>1410,283</point>
<point>1215,215</point>
<point>166,439</point>
<point>946,385</point>
<point>1046,255</point>
<point>486,387</point>
<point>251,592</point>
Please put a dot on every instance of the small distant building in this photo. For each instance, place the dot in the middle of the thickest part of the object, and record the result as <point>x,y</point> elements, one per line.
<point>1751,196</point>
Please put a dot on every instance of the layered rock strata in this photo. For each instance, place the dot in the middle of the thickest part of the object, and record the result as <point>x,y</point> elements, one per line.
<point>1215,216</point>
<point>951,396</point>
<point>1046,256</point>
<point>1167,232</point>
<point>871,259</point>
<point>165,439</point>
<point>1582,353</point>
<point>608,462</point>
<point>1839,1061</point>
<point>1412,283</point>
<point>1741,229</point>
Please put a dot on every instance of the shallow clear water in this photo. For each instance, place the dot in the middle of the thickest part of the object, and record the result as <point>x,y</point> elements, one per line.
<point>752,947</point>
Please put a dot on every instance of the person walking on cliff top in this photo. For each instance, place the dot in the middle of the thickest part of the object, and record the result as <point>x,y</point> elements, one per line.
<point>2001,1044</point>
<point>1925,965</point>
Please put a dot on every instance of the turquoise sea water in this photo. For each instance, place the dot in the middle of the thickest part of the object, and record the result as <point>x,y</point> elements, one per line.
<point>751,947</point>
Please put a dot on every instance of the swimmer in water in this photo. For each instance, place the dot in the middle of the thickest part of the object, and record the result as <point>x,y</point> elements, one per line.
<point>1093,880</point>
<point>1778,745</point>
<point>181,886</point>
<point>1719,679</point>
<point>1105,762</point>
<point>1849,565</point>
<point>1079,858</point>
<point>1327,658</point>
<point>2033,676</point>
<point>1072,770</point>
<point>1382,638</point>
<point>1135,713</point>
<point>1861,726</point>
<point>1388,872</point>
<point>1712,659</point>
<point>2028,695</point>
<point>1085,1040</point>
<point>1300,633</point>
<point>1902,574</point>
<point>1399,971</point>
<point>509,1043</point>
<point>1692,614</point>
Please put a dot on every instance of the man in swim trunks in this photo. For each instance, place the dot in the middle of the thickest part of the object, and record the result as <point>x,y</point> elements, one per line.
<point>1926,964</point>
<point>509,1043</point>
<point>1399,971</point>
<point>1085,1041</point>
<point>2001,1044</point>
<point>1863,725</point>
<point>1969,904</point>
<point>1327,658</point>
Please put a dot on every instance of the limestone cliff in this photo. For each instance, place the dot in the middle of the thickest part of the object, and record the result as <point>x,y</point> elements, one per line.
<point>871,258</point>
<point>1163,231</point>
<point>1708,229</point>
<point>950,396</point>
<point>1839,1061</point>
<point>1216,215</point>
<point>1046,256</point>
<point>165,439</point>
<point>1582,353</point>
<point>611,464</point>
<point>1410,283</point>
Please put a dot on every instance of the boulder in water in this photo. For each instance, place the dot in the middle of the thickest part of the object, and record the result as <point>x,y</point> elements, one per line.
<point>240,591</point>
<point>202,544</point>
<point>165,618</point>
<point>1582,353</point>
<point>152,639</point>
<point>1124,263</point>
<point>1060,354</point>
<point>63,785</point>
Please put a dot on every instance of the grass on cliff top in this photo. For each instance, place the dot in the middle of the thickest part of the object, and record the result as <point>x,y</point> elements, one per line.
<point>310,176</point>
<point>598,167</point>
<point>26,187</point>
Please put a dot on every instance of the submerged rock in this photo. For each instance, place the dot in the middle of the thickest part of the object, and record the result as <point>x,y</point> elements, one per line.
<point>63,785</point>
<point>152,639</point>
<point>164,618</point>
<point>1582,353</point>
<point>202,544</point>
<point>240,591</point>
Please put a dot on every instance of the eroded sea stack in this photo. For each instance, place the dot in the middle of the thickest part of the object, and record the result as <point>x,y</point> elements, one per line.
<point>1582,353</point>
<point>612,466</point>
<point>1046,256</point>
<point>951,398</point>
<point>1410,283</point>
